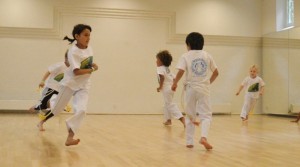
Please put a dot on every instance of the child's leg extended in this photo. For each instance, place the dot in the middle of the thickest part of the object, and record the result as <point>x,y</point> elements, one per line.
<point>80,100</point>
<point>205,114</point>
<point>246,107</point>
<point>46,95</point>
<point>252,106</point>
<point>61,101</point>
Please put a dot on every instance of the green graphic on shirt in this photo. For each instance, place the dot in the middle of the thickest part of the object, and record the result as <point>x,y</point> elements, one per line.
<point>254,88</point>
<point>87,63</point>
<point>59,77</point>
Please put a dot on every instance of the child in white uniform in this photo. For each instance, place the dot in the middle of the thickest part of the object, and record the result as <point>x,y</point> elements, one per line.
<point>51,82</point>
<point>254,88</point>
<point>197,64</point>
<point>163,61</point>
<point>76,81</point>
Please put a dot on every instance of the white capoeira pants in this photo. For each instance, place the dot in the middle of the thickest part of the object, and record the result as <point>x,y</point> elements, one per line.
<point>170,108</point>
<point>80,100</point>
<point>52,101</point>
<point>249,104</point>
<point>197,108</point>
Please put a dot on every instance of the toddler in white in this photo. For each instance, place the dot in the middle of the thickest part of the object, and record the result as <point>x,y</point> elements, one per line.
<point>254,88</point>
<point>165,78</point>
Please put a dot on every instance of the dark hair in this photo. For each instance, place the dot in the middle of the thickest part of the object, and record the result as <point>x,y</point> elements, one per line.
<point>165,57</point>
<point>66,54</point>
<point>77,30</point>
<point>195,41</point>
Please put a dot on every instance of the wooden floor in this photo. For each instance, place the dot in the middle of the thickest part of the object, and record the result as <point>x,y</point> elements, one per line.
<point>142,141</point>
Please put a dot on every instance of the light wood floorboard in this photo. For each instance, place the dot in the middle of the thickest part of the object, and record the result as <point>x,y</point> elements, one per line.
<point>142,141</point>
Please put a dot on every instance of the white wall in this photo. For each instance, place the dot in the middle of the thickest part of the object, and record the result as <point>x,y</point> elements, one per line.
<point>126,36</point>
<point>29,13</point>
<point>221,17</point>
<point>269,15</point>
<point>297,12</point>
<point>276,73</point>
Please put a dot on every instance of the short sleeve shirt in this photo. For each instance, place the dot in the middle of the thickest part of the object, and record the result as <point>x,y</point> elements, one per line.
<point>165,71</point>
<point>197,64</point>
<point>56,75</point>
<point>252,86</point>
<point>78,59</point>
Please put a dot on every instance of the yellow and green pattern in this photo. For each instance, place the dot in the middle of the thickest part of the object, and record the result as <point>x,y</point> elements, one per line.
<point>87,63</point>
<point>254,88</point>
<point>59,77</point>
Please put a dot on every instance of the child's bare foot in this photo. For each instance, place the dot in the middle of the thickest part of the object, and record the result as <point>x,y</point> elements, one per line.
<point>196,123</point>
<point>189,146</point>
<point>204,142</point>
<point>40,126</point>
<point>31,109</point>
<point>182,120</point>
<point>71,142</point>
<point>168,122</point>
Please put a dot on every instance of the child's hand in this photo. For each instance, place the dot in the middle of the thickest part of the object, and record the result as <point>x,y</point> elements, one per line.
<point>95,66</point>
<point>42,84</point>
<point>174,86</point>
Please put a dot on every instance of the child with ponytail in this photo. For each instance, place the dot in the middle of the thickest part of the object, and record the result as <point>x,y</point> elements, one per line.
<point>76,81</point>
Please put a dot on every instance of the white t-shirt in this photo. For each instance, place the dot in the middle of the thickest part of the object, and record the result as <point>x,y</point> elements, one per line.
<point>197,64</point>
<point>78,59</point>
<point>165,71</point>
<point>56,75</point>
<point>252,86</point>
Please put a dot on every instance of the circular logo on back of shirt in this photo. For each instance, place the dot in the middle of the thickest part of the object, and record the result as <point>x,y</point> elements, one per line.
<point>199,67</point>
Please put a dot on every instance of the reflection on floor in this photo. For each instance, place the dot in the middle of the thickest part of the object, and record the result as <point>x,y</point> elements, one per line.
<point>142,141</point>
